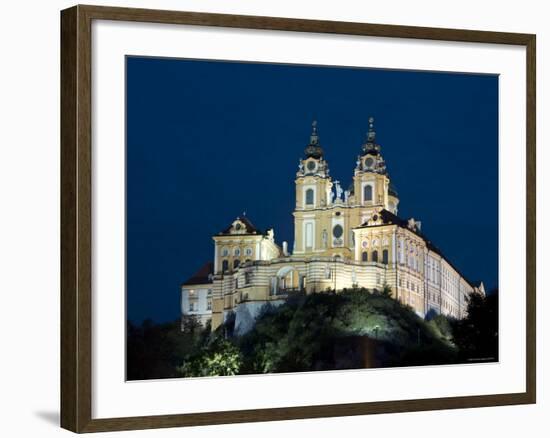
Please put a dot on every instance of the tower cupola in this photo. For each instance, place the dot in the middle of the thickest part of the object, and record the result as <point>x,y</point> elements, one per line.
<point>370,159</point>
<point>313,149</point>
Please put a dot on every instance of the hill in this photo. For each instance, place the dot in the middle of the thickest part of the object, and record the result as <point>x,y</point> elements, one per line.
<point>326,331</point>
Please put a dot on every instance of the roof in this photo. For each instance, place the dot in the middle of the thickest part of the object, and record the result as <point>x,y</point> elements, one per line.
<point>249,226</point>
<point>389,218</point>
<point>202,276</point>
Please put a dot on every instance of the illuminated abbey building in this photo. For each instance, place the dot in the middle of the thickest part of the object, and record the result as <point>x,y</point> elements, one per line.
<point>342,239</point>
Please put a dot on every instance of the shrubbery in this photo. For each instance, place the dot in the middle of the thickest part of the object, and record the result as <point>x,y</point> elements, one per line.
<point>351,328</point>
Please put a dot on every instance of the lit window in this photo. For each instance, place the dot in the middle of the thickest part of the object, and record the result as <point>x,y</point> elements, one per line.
<point>367,193</point>
<point>310,197</point>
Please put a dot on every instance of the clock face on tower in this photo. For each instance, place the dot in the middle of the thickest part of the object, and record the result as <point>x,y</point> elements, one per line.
<point>369,162</point>
<point>311,166</point>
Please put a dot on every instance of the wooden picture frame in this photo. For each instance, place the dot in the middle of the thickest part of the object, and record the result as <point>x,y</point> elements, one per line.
<point>76,218</point>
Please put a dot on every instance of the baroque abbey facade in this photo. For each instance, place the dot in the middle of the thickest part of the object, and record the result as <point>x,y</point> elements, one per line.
<point>342,239</point>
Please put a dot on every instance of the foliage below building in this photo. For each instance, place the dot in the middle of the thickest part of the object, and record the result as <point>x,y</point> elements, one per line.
<point>350,329</point>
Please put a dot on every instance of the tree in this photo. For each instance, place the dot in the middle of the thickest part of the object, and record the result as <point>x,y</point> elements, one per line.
<point>331,330</point>
<point>154,351</point>
<point>191,324</point>
<point>219,358</point>
<point>442,324</point>
<point>386,290</point>
<point>477,335</point>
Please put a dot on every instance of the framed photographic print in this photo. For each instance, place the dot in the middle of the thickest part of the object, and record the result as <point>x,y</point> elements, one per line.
<point>270,218</point>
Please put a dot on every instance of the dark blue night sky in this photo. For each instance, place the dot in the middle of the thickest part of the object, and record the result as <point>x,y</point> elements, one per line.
<point>209,140</point>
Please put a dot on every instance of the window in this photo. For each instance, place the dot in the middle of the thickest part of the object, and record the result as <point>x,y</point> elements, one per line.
<point>378,279</point>
<point>337,231</point>
<point>385,256</point>
<point>310,194</point>
<point>209,292</point>
<point>209,305</point>
<point>309,235</point>
<point>365,256</point>
<point>328,273</point>
<point>248,251</point>
<point>367,193</point>
<point>375,256</point>
<point>225,266</point>
<point>191,307</point>
<point>236,263</point>
<point>237,252</point>
<point>225,252</point>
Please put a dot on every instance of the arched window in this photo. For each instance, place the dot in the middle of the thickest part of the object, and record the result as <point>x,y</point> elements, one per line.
<point>225,265</point>
<point>287,280</point>
<point>236,263</point>
<point>375,256</point>
<point>310,197</point>
<point>385,256</point>
<point>365,256</point>
<point>367,193</point>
